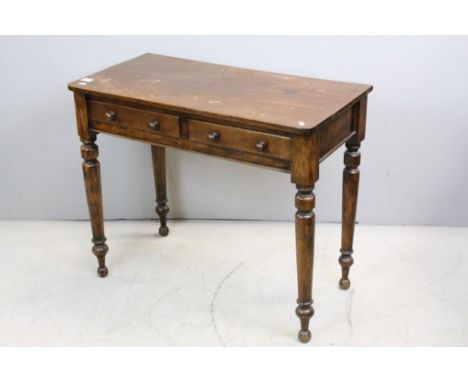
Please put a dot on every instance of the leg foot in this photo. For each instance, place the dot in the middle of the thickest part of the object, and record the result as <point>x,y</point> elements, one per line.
<point>304,336</point>
<point>304,311</point>
<point>162,210</point>
<point>345,260</point>
<point>164,231</point>
<point>102,272</point>
<point>344,284</point>
<point>100,249</point>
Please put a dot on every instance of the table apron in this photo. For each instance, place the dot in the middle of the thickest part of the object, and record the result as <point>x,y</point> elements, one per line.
<point>189,145</point>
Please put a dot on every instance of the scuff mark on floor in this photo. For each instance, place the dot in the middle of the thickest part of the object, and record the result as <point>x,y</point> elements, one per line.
<point>153,307</point>
<point>213,299</point>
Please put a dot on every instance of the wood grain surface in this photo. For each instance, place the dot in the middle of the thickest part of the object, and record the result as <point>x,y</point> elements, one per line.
<point>293,103</point>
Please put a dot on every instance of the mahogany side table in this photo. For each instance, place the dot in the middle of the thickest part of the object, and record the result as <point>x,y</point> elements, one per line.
<point>277,121</point>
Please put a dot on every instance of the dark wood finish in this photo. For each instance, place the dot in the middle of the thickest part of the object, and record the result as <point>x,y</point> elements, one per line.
<point>278,121</point>
<point>159,169</point>
<point>350,193</point>
<point>134,118</point>
<point>352,159</point>
<point>305,172</point>
<point>284,102</point>
<point>190,145</point>
<point>92,180</point>
<point>334,133</point>
<point>235,138</point>
<point>305,233</point>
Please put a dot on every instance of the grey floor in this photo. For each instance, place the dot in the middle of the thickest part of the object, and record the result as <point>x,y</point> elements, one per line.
<point>229,283</point>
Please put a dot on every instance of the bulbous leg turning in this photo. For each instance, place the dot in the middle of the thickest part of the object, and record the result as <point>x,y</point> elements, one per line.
<point>345,260</point>
<point>162,210</point>
<point>305,312</point>
<point>100,250</point>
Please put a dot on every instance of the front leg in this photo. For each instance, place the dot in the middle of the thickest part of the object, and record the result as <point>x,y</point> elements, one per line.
<point>352,159</point>
<point>92,179</point>
<point>305,231</point>
<point>305,153</point>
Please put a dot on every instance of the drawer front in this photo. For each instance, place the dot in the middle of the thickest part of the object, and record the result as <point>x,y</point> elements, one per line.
<point>129,117</point>
<point>238,139</point>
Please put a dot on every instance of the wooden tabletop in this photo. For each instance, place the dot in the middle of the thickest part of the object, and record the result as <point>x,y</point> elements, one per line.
<point>242,95</point>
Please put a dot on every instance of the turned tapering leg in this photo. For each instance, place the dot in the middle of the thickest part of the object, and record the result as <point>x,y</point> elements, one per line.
<point>159,169</point>
<point>92,179</point>
<point>305,230</point>
<point>352,159</point>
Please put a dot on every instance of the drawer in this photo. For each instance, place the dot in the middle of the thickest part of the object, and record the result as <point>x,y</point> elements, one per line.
<point>134,118</point>
<point>239,139</point>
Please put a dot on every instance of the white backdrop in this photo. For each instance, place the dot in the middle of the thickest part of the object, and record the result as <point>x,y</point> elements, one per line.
<point>414,159</point>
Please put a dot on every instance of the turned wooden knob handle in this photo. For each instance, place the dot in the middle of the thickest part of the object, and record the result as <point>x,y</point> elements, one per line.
<point>154,125</point>
<point>111,115</point>
<point>213,136</point>
<point>261,146</point>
